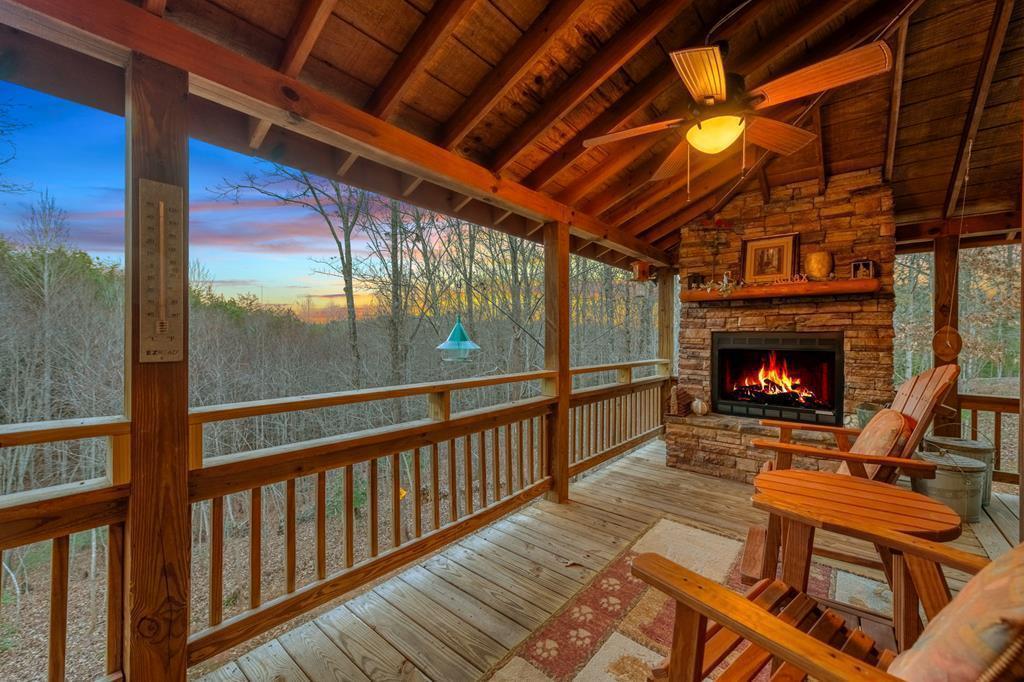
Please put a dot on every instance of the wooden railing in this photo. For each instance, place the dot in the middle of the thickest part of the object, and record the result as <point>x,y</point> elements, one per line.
<point>420,485</point>
<point>976,407</point>
<point>55,513</point>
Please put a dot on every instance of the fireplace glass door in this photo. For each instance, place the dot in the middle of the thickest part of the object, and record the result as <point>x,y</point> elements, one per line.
<point>793,376</point>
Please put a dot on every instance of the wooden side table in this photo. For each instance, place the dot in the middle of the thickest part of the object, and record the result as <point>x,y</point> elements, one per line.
<point>801,501</point>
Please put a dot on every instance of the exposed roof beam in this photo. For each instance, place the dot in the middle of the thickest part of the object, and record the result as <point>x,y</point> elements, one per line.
<point>993,47</point>
<point>609,59</point>
<point>668,230</point>
<point>819,149</point>
<point>990,224</point>
<point>304,33</point>
<point>156,7</point>
<point>741,19</point>
<point>706,178</point>
<point>510,70</point>
<point>806,23</point>
<point>424,44</point>
<point>896,96</point>
<point>610,119</point>
<point>239,82</point>
<point>766,187</point>
<point>621,155</point>
<point>632,181</point>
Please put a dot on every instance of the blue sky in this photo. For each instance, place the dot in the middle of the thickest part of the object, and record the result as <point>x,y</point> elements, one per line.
<point>77,155</point>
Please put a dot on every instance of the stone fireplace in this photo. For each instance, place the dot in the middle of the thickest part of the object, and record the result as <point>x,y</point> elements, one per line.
<point>808,359</point>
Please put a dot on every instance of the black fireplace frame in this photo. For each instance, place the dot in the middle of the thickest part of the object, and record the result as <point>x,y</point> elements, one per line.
<point>779,341</point>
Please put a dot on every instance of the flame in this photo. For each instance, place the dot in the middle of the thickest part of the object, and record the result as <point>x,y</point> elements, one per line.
<point>775,379</point>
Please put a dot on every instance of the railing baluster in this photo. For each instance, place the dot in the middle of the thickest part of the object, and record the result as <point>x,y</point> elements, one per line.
<point>467,471</point>
<point>58,607</point>
<point>417,498</point>
<point>290,549</point>
<point>115,597</point>
<point>374,511</point>
<point>255,546</point>
<point>321,525</point>
<point>572,435</point>
<point>216,560</point>
<point>453,484</point>
<point>531,477</point>
<point>998,441</point>
<point>519,455</point>
<point>482,458</point>
<point>435,474</point>
<point>495,464</point>
<point>974,424</point>
<point>350,516</point>
<point>508,459</point>
<point>396,501</point>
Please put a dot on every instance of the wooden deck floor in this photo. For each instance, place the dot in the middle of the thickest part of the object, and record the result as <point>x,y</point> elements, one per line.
<point>457,613</point>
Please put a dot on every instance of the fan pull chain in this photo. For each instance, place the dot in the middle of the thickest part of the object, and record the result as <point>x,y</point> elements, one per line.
<point>743,162</point>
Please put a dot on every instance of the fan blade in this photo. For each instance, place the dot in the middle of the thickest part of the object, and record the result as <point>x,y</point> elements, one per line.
<point>702,72</point>
<point>776,136</point>
<point>674,163</point>
<point>848,67</point>
<point>634,132</point>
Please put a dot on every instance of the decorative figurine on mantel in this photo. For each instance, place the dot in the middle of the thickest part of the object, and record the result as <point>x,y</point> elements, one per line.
<point>818,265</point>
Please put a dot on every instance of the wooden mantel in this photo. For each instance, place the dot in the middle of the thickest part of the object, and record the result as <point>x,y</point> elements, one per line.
<point>837,287</point>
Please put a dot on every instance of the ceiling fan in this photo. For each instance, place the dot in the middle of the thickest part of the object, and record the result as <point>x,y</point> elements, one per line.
<point>722,108</point>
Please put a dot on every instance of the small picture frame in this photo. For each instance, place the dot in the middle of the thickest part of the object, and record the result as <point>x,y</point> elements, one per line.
<point>694,282</point>
<point>641,271</point>
<point>770,259</point>
<point>862,269</point>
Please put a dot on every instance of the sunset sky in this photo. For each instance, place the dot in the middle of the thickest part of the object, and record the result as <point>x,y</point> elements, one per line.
<point>77,154</point>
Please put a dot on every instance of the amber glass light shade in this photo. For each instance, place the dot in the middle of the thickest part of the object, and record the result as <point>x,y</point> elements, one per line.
<point>715,134</point>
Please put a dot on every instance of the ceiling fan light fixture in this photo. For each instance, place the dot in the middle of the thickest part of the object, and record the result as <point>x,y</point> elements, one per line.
<point>716,134</point>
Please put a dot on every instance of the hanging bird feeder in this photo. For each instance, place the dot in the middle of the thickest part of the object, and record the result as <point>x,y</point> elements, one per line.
<point>458,347</point>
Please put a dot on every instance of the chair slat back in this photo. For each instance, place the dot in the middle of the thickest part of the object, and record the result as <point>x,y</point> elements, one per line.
<point>918,399</point>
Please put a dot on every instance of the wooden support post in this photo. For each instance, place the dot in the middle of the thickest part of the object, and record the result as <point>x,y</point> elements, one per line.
<point>556,354</point>
<point>946,307</point>
<point>667,332</point>
<point>1020,432</point>
<point>158,529</point>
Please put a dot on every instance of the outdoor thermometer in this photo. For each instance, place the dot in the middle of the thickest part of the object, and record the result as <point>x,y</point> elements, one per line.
<point>161,231</point>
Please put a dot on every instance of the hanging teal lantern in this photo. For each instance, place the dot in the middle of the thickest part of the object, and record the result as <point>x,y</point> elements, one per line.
<point>458,347</point>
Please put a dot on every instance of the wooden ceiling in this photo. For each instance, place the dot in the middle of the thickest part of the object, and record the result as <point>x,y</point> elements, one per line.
<point>516,85</point>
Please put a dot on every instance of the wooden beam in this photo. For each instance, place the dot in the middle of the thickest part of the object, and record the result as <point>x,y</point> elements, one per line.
<point>303,35</point>
<point>946,310</point>
<point>158,532</point>
<point>609,58</point>
<point>899,61</point>
<point>610,119</point>
<point>740,19</point>
<point>766,188</point>
<point>421,48</point>
<point>668,331</point>
<point>511,69</point>
<point>238,82</point>
<point>621,155</point>
<point>792,32</point>
<point>979,225</point>
<point>670,227</point>
<point>989,60</point>
<point>556,354</point>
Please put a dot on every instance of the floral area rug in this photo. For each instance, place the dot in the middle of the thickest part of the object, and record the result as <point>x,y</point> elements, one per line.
<point>617,627</point>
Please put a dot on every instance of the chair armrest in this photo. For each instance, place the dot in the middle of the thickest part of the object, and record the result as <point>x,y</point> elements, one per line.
<point>914,468</point>
<point>939,552</point>
<point>842,434</point>
<point>751,622</point>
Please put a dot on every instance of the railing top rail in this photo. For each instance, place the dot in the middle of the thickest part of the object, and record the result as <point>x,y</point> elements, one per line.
<point>612,366</point>
<point>988,402</point>
<point>63,429</point>
<point>213,413</point>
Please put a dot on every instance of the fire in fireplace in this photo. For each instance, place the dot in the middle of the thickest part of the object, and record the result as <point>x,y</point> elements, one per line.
<point>795,376</point>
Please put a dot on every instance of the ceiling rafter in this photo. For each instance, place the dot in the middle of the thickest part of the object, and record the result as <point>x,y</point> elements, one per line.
<point>610,119</point>
<point>819,150</point>
<point>303,35</point>
<point>156,7</point>
<point>510,70</point>
<point>435,28</point>
<point>623,157</point>
<point>608,60</point>
<point>746,15</point>
<point>979,97</point>
<point>899,62</point>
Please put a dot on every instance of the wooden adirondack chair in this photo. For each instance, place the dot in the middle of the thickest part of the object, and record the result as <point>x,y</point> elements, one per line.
<point>806,637</point>
<point>917,400</point>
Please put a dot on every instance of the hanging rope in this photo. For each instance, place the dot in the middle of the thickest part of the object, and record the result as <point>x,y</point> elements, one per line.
<point>687,172</point>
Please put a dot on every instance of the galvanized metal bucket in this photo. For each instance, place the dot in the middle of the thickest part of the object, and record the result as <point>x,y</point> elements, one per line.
<point>958,483</point>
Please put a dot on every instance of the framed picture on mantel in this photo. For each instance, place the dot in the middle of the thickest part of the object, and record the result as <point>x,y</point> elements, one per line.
<point>769,259</point>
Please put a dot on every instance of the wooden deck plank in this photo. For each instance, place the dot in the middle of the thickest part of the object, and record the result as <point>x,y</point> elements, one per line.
<point>318,656</point>
<point>566,551</point>
<point>512,605</point>
<point>491,622</point>
<point>1004,515</point>
<point>226,673</point>
<point>576,509</point>
<point>271,663</point>
<point>542,575</point>
<point>374,655</point>
<point>430,654</point>
<point>489,570</point>
<point>537,554</point>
